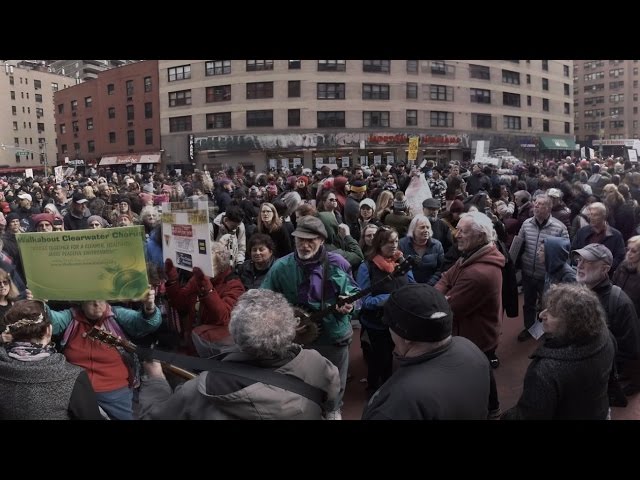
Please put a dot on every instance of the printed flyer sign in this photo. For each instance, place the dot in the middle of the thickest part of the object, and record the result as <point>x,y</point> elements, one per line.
<point>185,235</point>
<point>104,264</point>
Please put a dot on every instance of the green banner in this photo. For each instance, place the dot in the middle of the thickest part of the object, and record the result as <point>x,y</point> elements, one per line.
<point>102,264</point>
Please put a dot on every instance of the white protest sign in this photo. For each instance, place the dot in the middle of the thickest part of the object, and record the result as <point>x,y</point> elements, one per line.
<point>185,235</point>
<point>633,155</point>
<point>28,172</point>
<point>58,173</point>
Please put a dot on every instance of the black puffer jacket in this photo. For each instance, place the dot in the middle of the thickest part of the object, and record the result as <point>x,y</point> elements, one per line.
<point>567,381</point>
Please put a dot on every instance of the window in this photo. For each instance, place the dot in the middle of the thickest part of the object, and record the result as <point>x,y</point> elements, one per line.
<point>38,97</point>
<point>61,108</point>
<point>15,126</point>
<point>40,127</point>
<point>511,99</point>
<point>510,77</point>
<point>440,68</point>
<point>147,84</point>
<point>88,101</point>
<point>221,93</point>
<point>441,119</point>
<point>294,64</point>
<point>479,95</point>
<point>412,90</point>
<point>332,65</point>
<point>39,112</point>
<point>54,87</point>
<point>218,120</point>
<point>511,123</point>
<point>180,124</point>
<point>412,66</point>
<point>545,65</point>
<point>567,127</point>
<point>13,95</point>
<point>259,118</point>
<point>74,105</point>
<point>179,98</point>
<point>37,84</point>
<point>112,112</point>
<point>481,120</point>
<point>91,146</point>
<point>89,123</point>
<point>64,148</point>
<point>130,115</point>
<point>182,72</point>
<point>76,148</point>
<point>131,138</point>
<point>529,122</point>
<point>479,71</point>
<point>148,110</point>
<point>441,93</point>
<point>379,66</point>
<point>259,90</point>
<point>63,128</point>
<point>375,119</point>
<point>218,67</point>
<point>545,125</point>
<point>258,65</point>
<point>566,89</point>
<point>616,111</point>
<point>565,69</point>
<point>112,137</point>
<point>129,88</point>
<point>528,100</point>
<point>111,88</point>
<point>412,118</point>
<point>14,110</point>
<point>373,91</point>
<point>293,117</point>
<point>330,119</point>
<point>11,80</point>
<point>294,88</point>
<point>545,104</point>
<point>545,84</point>
<point>567,108</point>
<point>331,91</point>
<point>74,126</point>
<point>616,98</point>
<point>148,136</point>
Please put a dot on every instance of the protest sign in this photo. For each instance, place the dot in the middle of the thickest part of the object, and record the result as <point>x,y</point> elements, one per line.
<point>103,264</point>
<point>185,235</point>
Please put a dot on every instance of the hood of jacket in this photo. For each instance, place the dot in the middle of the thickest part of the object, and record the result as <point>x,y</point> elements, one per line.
<point>556,253</point>
<point>487,254</point>
<point>331,226</point>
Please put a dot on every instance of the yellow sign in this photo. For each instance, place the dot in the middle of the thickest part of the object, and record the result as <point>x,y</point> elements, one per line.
<point>413,148</point>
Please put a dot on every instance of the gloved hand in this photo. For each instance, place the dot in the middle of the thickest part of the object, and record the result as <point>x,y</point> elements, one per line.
<point>202,282</point>
<point>171,271</point>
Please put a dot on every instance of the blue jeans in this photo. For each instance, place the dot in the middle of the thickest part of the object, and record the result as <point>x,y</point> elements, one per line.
<point>338,355</point>
<point>532,289</point>
<point>117,403</point>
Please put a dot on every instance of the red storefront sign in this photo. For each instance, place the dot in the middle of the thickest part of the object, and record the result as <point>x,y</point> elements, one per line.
<point>424,139</point>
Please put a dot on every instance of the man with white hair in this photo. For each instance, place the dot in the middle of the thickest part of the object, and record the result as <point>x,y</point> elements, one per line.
<point>473,287</point>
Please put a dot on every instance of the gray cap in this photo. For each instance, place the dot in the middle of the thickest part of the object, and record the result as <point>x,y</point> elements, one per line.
<point>310,227</point>
<point>431,203</point>
<point>594,252</point>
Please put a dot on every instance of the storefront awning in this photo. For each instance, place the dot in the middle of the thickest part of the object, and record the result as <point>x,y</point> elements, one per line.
<point>126,159</point>
<point>557,143</point>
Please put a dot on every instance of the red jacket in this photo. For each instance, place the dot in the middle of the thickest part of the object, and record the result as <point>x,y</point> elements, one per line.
<point>473,287</point>
<point>215,306</point>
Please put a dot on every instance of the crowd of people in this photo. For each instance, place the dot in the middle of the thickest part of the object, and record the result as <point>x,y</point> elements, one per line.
<point>302,258</point>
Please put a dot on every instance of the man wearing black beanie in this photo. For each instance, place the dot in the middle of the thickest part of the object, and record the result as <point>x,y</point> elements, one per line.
<point>440,377</point>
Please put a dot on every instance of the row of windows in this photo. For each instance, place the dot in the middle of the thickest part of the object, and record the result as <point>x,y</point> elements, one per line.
<point>37,84</point>
<point>111,88</point>
<point>24,125</point>
<point>27,110</point>
<point>131,141</point>
<point>264,118</point>
<point>436,67</point>
<point>336,91</point>
<point>111,113</point>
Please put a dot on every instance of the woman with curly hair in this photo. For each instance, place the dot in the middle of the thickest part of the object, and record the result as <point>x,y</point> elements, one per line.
<point>568,376</point>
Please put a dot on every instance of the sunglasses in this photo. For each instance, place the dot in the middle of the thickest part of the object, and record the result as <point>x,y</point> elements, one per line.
<point>4,283</point>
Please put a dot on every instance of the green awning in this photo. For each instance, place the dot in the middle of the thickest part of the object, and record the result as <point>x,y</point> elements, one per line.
<point>557,143</point>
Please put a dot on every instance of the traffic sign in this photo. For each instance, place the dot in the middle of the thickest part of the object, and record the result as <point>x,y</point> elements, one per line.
<point>22,153</point>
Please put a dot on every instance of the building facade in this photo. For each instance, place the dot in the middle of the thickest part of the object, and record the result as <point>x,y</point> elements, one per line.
<point>113,120</point>
<point>27,128</point>
<point>606,104</point>
<point>83,70</point>
<point>272,113</point>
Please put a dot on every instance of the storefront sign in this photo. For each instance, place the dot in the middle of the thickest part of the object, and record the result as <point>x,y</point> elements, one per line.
<point>423,139</point>
<point>191,147</point>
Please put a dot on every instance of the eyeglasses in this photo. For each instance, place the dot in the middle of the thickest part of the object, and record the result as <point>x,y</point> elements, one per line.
<point>331,200</point>
<point>4,283</point>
